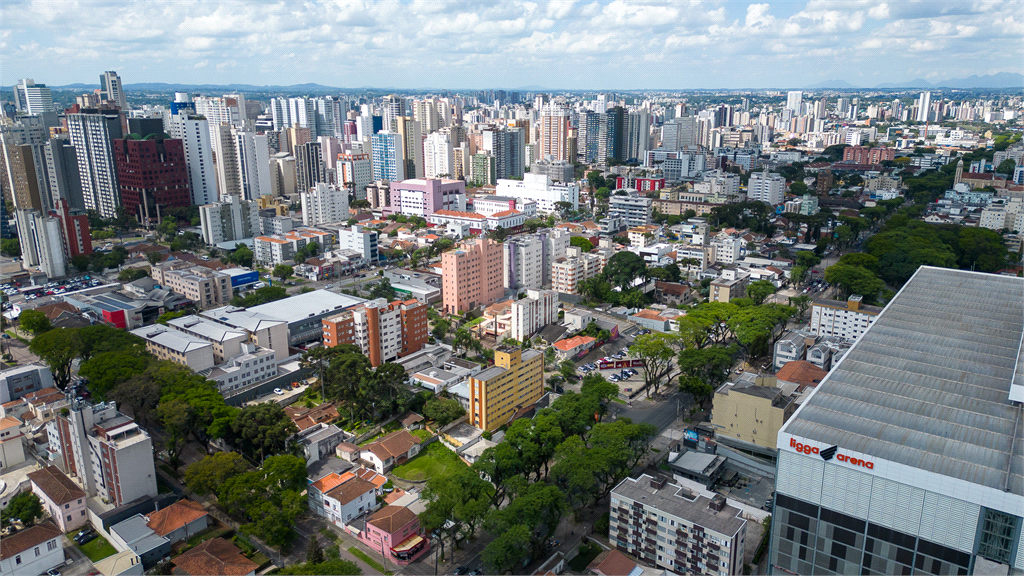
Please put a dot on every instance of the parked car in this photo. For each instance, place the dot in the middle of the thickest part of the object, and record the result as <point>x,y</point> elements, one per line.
<point>278,391</point>
<point>461,570</point>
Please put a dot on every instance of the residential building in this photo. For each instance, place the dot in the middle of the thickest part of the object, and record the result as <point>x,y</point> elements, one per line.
<point>866,155</point>
<point>194,133</point>
<point>751,413</point>
<point>567,273</point>
<point>320,441</point>
<point>62,171</point>
<point>104,451</point>
<point>728,249</point>
<point>800,374</point>
<point>766,187</point>
<point>207,288</point>
<point>227,342</point>
<point>391,450</point>
<point>939,362</point>
<point>472,276</point>
<point>77,238</point>
<point>575,347</point>
<point>636,140</point>
<point>633,209</point>
<point>530,314</point>
<point>644,236</point>
<point>252,366</point>
<point>362,240</point>
<point>214,557</point>
<point>126,563</point>
<point>341,498</point>
<point>12,451</point>
<point>112,89</point>
<point>323,204</point>
<point>509,220</point>
<point>179,521</point>
<point>32,98</point>
<point>32,551</point>
<point>277,249</point>
<point>523,258</point>
<point>388,156</point>
<point>422,197</point>
<point>355,172</point>
<point>309,167</point>
<point>514,382</point>
<point>243,162</point>
<point>848,319</point>
<point>92,132</point>
<point>554,133</point>
<point>731,284</point>
<point>411,137</point>
<point>695,534</point>
<point>540,189</point>
<point>559,171</point>
<point>229,220</point>
<point>178,347</point>
<point>42,242</point>
<point>383,331</point>
<point>438,156</point>
<point>397,530</point>
<point>482,169</point>
<point>791,347</point>
<point>508,148</point>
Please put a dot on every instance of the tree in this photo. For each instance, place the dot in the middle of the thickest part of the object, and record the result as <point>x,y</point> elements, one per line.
<point>34,321</point>
<point>10,247</point>
<point>807,259</point>
<point>624,268</point>
<point>108,369</point>
<point>23,506</point>
<point>314,552</point>
<point>383,290</point>
<point>241,256</point>
<point>262,430</point>
<point>133,274</point>
<point>141,393</point>
<point>283,271</point>
<point>854,280</point>
<point>332,566</point>
<point>457,502</point>
<point>168,316</point>
<point>802,303</point>
<point>100,338</point>
<point>798,188</point>
<point>860,259</point>
<point>1006,167</point>
<point>757,328</point>
<point>57,349</point>
<point>710,364</point>
<point>596,386</point>
<point>443,411</point>
<point>207,475</point>
<point>441,328</point>
<point>699,389</point>
<point>567,369</point>
<point>508,550</point>
<point>80,262</point>
<point>154,257</point>
<point>581,242</point>
<point>797,274</point>
<point>498,234</point>
<point>465,341</point>
<point>656,351</point>
<point>759,290</point>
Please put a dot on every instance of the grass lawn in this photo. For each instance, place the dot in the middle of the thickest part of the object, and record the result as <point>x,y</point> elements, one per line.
<point>433,461</point>
<point>98,549</point>
<point>421,434</point>
<point>584,558</point>
<point>369,561</point>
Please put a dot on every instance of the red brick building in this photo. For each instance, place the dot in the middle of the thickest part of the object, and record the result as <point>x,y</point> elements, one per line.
<point>865,155</point>
<point>383,331</point>
<point>151,172</point>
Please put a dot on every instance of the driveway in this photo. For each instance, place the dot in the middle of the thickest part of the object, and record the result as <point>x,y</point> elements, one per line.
<point>77,564</point>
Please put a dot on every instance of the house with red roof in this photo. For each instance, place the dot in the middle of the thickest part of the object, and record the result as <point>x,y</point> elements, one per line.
<point>573,347</point>
<point>395,531</point>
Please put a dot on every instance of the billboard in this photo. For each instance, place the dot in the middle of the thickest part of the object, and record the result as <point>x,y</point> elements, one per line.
<point>245,278</point>
<point>620,364</point>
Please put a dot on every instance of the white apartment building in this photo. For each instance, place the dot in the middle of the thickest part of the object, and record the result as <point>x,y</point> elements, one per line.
<point>438,156</point>
<point>226,341</point>
<point>253,365</point>
<point>766,187</point>
<point>667,525</point>
<point>243,162</point>
<point>355,170</point>
<point>42,242</point>
<point>523,258</point>
<point>848,319</point>
<point>323,204</point>
<point>644,236</point>
<point>387,332</point>
<point>229,220</point>
<point>728,250</point>
<point>632,210</point>
<point>169,344</point>
<point>490,205</point>
<point>542,190</point>
<point>362,240</point>
<point>107,453</point>
<point>575,267</point>
<point>194,133</point>
<point>530,314</point>
<point>207,288</point>
<point>93,135</point>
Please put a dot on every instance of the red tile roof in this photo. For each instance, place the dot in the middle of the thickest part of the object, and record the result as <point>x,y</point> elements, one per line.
<point>56,485</point>
<point>175,516</point>
<point>392,518</point>
<point>572,343</point>
<point>34,536</point>
<point>216,557</point>
<point>802,373</point>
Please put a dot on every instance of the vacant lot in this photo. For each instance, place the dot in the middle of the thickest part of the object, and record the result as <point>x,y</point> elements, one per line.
<point>436,460</point>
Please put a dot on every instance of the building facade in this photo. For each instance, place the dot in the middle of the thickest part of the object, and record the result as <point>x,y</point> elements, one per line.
<point>530,314</point>
<point>229,220</point>
<point>514,382</point>
<point>151,173</point>
<point>849,319</point>
<point>323,204</point>
<point>472,276</point>
<point>383,331</point>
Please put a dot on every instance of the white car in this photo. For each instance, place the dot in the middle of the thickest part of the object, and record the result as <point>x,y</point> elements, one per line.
<point>278,391</point>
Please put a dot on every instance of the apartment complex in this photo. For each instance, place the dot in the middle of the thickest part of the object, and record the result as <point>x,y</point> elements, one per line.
<point>766,187</point>
<point>229,220</point>
<point>383,331</point>
<point>530,314</point>
<point>104,451</point>
<point>471,276</point>
<point>731,284</point>
<point>514,382</point>
<point>540,189</point>
<point>271,250</point>
<point>362,240</point>
<point>207,288</point>
<point>666,525</point>
<point>575,267</point>
<point>848,319</point>
<point>906,458</point>
<point>323,204</point>
<point>632,210</point>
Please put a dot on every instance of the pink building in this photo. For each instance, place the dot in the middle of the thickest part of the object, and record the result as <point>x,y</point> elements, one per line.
<point>472,276</point>
<point>395,532</point>
<point>424,196</point>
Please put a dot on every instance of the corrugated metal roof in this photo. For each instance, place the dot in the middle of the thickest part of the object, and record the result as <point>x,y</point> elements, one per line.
<point>928,384</point>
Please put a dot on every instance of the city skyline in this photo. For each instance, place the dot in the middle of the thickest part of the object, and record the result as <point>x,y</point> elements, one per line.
<point>554,45</point>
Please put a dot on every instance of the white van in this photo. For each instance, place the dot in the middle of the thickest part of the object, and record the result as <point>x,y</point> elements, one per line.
<point>259,285</point>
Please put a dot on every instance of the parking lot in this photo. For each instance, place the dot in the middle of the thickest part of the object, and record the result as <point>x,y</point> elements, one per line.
<point>617,350</point>
<point>14,292</point>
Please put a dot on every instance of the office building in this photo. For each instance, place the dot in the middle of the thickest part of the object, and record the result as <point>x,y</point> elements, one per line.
<point>42,242</point>
<point>667,525</point>
<point>232,219</point>
<point>179,347</point>
<point>638,135</point>
<point>309,166</point>
<point>355,172</point>
<point>362,240</point>
<point>112,89</point>
<point>508,149</point>
<point>302,315</point>
<point>92,132</point>
<point>793,101</point>
<point>383,331</point>
<point>388,156</point>
<point>423,197</point>
<point>472,276</point>
<point>412,143</point>
<point>194,133</point>
<point>515,381</point>
<point>766,187</point>
<point>32,98</point>
<point>907,457</point>
<point>538,309</point>
<point>323,204</point>
<point>540,189</point>
<point>62,172</point>
<point>849,319</point>
<point>632,210</point>
<point>438,156</point>
<point>153,175</point>
<point>554,133</point>
<point>103,451</point>
<point>243,163</point>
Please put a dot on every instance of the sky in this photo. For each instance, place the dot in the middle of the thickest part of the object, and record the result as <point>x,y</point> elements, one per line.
<point>557,44</point>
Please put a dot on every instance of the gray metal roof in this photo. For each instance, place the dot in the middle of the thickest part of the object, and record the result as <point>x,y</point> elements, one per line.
<point>928,384</point>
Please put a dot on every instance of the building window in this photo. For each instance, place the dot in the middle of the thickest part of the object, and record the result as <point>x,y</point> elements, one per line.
<point>997,536</point>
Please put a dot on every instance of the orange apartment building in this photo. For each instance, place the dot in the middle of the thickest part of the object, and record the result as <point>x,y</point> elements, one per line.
<point>514,382</point>
<point>383,331</point>
<point>472,276</point>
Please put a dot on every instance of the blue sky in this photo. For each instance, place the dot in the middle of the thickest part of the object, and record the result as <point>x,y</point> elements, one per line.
<point>558,44</point>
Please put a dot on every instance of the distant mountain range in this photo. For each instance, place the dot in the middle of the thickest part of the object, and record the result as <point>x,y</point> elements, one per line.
<point>1000,80</point>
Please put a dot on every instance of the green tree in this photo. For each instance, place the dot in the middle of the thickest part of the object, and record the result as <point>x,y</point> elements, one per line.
<point>567,369</point>
<point>57,349</point>
<point>443,411</point>
<point>508,550</point>
<point>798,188</point>
<point>582,243</point>
<point>860,259</point>
<point>498,234</point>
<point>34,321</point>
<point>854,280</point>
<point>456,502</point>
<point>262,430</point>
<point>758,328</point>
<point>242,256</point>
<point>807,259</point>
<point>314,552</point>
<point>283,271</point>
<point>383,289</point>
<point>656,351</point>
<point>624,268</point>
<point>465,341</point>
<point>154,257</point>
<point>207,475</point>
<point>596,386</point>
<point>132,274</point>
<point>441,328</point>
<point>100,338</point>
<point>699,389</point>
<point>759,290</point>
<point>168,316</point>
<point>23,506</point>
<point>1006,167</point>
<point>140,393</point>
<point>707,364</point>
<point>108,369</point>
<point>80,262</point>
<point>10,247</point>
<point>801,303</point>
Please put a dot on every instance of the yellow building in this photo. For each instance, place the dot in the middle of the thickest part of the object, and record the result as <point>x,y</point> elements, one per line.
<point>515,381</point>
<point>752,413</point>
